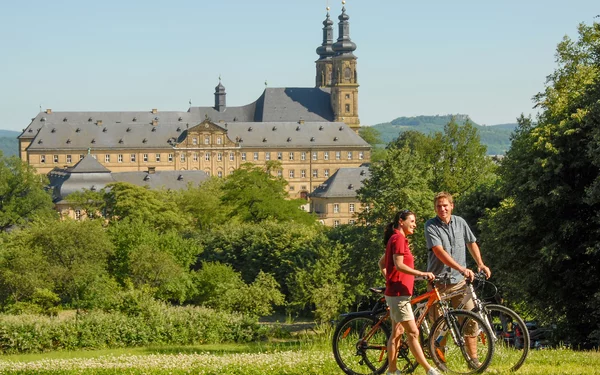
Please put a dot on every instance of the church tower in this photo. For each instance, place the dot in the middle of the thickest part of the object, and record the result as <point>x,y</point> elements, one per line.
<point>344,85</point>
<point>325,52</point>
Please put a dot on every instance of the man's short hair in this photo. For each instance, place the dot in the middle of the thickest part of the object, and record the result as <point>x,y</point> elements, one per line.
<point>443,194</point>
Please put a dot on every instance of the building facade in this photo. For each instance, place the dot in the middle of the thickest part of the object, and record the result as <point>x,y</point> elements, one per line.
<point>311,131</point>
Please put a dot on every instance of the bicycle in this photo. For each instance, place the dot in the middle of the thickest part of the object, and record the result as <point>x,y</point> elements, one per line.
<point>360,338</point>
<point>511,336</point>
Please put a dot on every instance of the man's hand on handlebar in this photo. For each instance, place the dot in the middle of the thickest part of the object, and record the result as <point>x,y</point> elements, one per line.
<point>468,274</point>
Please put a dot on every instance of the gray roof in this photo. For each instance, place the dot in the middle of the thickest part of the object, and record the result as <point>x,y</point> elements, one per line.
<point>295,134</point>
<point>343,183</point>
<point>126,130</point>
<point>87,175</point>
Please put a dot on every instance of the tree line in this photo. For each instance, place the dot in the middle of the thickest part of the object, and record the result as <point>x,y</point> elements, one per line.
<point>240,244</point>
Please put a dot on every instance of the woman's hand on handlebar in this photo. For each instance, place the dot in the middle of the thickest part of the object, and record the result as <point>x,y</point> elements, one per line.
<point>428,276</point>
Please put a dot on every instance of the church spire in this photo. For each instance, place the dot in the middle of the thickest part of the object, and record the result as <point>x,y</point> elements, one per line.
<point>344,46</point>
<point>325,52</point>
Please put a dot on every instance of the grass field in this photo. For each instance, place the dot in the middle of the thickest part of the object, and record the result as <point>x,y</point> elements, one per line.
<point>295,358</point>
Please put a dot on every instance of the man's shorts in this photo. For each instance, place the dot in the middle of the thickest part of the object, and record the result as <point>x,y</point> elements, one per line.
<point>400,308</point>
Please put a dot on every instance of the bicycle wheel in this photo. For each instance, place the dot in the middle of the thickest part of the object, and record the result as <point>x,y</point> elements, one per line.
<point>460,343</point>
<point>359,346</point>
<point>512,338</point>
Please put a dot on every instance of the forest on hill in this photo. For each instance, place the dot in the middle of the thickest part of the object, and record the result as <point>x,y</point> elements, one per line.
<point>495,137</point>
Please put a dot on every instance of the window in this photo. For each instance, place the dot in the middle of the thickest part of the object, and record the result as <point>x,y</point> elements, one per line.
<point>120,158</point>
<point>326,155</point>
<point>349,155</point>
<point>336,223</point>
<point>219,156</point>
<point>338,155</point>
<point>351,222</point>
<point>220,173</point>
<point>255,156</point>
<point>132,158</point>
<point>314,155</point>
<point>77,214</point>
<point>145,157</point>
<point>107,158</point>
<point>361,155</point>
<point>55,158</point>
<point>279,156</point>
<point>303,173</point>
<point>170,157</point>
<point>267,156</point>
<point>195,156</point>
<point>182,156</point>
<point>326,173</point>
<point>303,156</point>
<point>194,141</point>
<point>231,156</point>
<point>291,156</point>
<point>347,96</point>
<point>351,207</point>
<point>336,208</point>
<point>207,156</point>
<point>291,173</point>
<point>315,173</point>
<point>280,173</point>
<point>219,142</point>
<point>292,188</point>
<point>68,158</point>
<point>207,140</point>
<point>157,156</point>
<point>243,156</point>
<point>347,107</point>
<point>43,158</point>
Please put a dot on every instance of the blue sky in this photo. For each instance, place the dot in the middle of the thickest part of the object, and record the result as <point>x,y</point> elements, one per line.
<point>481,58</point>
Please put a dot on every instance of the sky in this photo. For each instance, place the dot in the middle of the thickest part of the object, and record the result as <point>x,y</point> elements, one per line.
<point>486,59</point>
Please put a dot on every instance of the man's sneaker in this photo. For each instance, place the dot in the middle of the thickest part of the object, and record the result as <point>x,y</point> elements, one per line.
<point>474,363</point>
<point>433,371</point>
<point>397,372</point>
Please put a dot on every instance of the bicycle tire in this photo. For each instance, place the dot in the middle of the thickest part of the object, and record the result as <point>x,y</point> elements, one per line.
<point>511,349</point>
<point>357,356</point>
<point>447,343</point>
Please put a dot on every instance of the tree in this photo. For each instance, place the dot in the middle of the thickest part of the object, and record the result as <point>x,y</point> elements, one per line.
<point>549,213</point>
<point>373,137</point>
<point>22,194</point>
<point>158,208</point>
<point>91,203</point>
<point>203,204</point>
<point>254,195</point>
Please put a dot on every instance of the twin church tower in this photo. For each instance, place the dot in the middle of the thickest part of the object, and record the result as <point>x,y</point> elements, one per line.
<point>336,70</point>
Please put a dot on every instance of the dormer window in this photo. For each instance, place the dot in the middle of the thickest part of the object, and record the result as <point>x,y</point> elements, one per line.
<point>90,119</point>
<point>93,140</point>
<point>274,128</point>
<point>180,118</point>
<point>178,129</point>
<point>335,139</point>
<point>43,119</point>
<point>65,119</point>
<point>121,140</point>
<point>144,140</point>
<point>312,139</point>
<point>180,177</point>
<point>104,130</point>
<point>321,127</point>
<point>68,141</point>
<point>341,128</point>
<point>77,130</point>
<point>134,119</point>
<point>53,130</point>
<point>264,139</point>
<point>297,128</point>
<point>40,142</point>
<point>289,139</point>
<point>351,186</point>
<point>153,129</point>
<point>362,173</point>
<point>128,130</point>
<point>250,129</point>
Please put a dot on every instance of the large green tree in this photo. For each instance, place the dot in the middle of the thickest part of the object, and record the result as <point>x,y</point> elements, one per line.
<point>22,194</point>
<point>544,237</point>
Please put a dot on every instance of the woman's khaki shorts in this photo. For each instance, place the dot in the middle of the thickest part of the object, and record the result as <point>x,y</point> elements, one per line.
<point>400,308</point>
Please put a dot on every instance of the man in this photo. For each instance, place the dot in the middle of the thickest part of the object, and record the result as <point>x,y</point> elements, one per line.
<point>447,236</point>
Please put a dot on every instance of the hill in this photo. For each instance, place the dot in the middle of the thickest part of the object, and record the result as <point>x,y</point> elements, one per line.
<point>9,145</point>
<point>495,137</point>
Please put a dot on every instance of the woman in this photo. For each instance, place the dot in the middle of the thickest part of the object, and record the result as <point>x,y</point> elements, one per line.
<point>397,265</point>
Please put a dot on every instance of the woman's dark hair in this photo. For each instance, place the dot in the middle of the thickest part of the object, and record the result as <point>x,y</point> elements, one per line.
<point>389,229</point>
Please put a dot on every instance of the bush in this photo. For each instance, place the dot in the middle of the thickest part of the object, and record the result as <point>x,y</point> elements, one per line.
<point>98,330</point>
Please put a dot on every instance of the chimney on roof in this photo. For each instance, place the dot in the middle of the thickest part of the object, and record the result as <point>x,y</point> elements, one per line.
<point>151,170</point>
<point>154,122</point>
<point>49,111</point>
<point>154,110</point>
<point>301,121</point>
<point>99,123</point>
